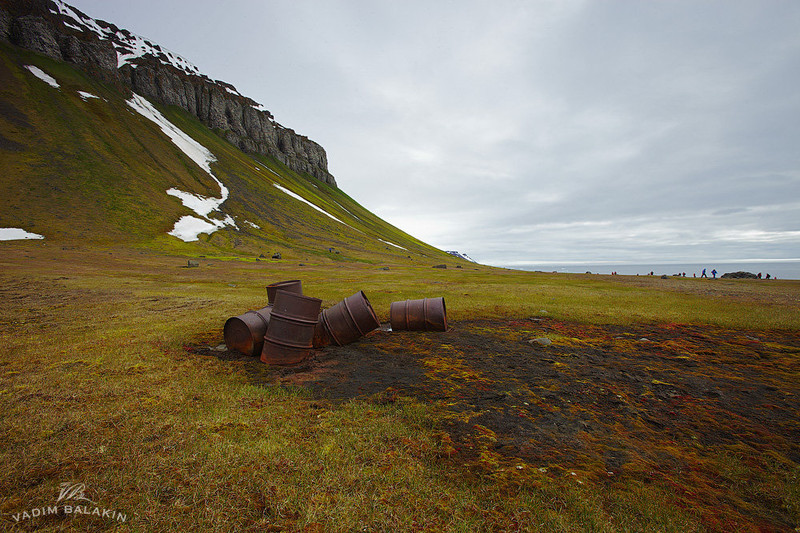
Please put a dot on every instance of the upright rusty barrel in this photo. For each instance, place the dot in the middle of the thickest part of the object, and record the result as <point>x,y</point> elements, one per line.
<point>291,328</point>
<point>428,314</point>
<point>292,285</point>
<point>350,319</point>
<point>245,333</point>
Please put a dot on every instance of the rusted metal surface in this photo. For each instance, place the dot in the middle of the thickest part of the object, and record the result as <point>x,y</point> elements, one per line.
<point>291,328</point>
<point>285,331</point>
<point>350,319</point>
<point>321,337</point>
<point>245,333</point>
<point>428,314</point>
<point>292,285</point>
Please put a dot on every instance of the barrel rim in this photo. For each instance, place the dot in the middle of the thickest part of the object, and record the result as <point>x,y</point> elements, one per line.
<point>249,344</point>
<point>298,317</point>
<point>273,288</point>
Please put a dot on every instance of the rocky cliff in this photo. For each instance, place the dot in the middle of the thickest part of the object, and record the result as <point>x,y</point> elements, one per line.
<point>59,31</point>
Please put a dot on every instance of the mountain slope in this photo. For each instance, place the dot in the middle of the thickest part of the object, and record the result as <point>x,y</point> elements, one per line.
<point>81,165</point>
<point>117,56</point>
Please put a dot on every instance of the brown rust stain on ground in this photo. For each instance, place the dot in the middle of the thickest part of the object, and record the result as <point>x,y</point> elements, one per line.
<point>711,414</point>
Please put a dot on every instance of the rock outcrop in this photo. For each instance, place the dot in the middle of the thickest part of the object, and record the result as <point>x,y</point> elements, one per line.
<point>99,48</point>
<point>739,275</point>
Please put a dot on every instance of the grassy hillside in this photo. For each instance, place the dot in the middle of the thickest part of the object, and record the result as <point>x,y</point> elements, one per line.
<point>90,170</point>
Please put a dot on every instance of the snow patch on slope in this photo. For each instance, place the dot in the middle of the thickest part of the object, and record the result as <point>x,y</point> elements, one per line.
<point>298,197</point>
<point>39,73</point>
<point>188,228</point>
<point>13,234</point>
<point>393,244</point>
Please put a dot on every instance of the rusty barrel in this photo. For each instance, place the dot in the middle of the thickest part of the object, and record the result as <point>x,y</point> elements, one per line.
<point>291,328</point>
<point>350,319</point>
<point>245,333</point>
<point>292,285</point>
<point>321,337</point>
<point>428,314</point>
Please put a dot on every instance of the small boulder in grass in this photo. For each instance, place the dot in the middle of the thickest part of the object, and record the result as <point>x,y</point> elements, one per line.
<point>544,341</point>
<point>192,263</point>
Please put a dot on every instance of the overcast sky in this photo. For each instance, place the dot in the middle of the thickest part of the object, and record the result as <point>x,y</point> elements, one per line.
<point>528,131</point>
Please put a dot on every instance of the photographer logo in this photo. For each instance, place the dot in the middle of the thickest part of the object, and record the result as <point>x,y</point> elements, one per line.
<point>71,502</point>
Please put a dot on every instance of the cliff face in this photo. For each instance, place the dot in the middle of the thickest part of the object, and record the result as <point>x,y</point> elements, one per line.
<point>116,56</point>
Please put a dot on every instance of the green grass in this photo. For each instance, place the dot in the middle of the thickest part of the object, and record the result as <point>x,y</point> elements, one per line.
<point>96,387</point>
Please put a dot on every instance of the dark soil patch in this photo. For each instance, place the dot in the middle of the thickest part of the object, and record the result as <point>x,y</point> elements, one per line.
<point>662,403</point>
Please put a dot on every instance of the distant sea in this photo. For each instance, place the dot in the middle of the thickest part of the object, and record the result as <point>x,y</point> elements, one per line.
<point>777,269</point>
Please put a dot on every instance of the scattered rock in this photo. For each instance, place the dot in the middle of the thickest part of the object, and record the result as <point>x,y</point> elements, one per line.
<point>739,275</point>
<point>221,348</point>
<point>277,255</point>
<point>664,276</point>
<point>644,339</point>
<point>439,266</point>
<point>384,268</point>
<point>544,341</point>
<point>191,263</point>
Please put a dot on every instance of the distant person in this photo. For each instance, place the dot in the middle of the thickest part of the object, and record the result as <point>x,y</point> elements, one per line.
<point>714,273</point>
<point>768,276</point>
<point>703,275</point>
<point>759,275</point>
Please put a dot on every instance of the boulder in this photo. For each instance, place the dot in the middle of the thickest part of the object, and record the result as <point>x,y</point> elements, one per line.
<point>740,275</point>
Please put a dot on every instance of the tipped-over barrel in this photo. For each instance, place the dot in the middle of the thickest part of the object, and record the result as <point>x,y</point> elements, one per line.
<point>245,333</point>
<point>428,314</point>
<point>292,285</point>
<point>321,337</point>
<point>291,328</point>
<point>350,319</point>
